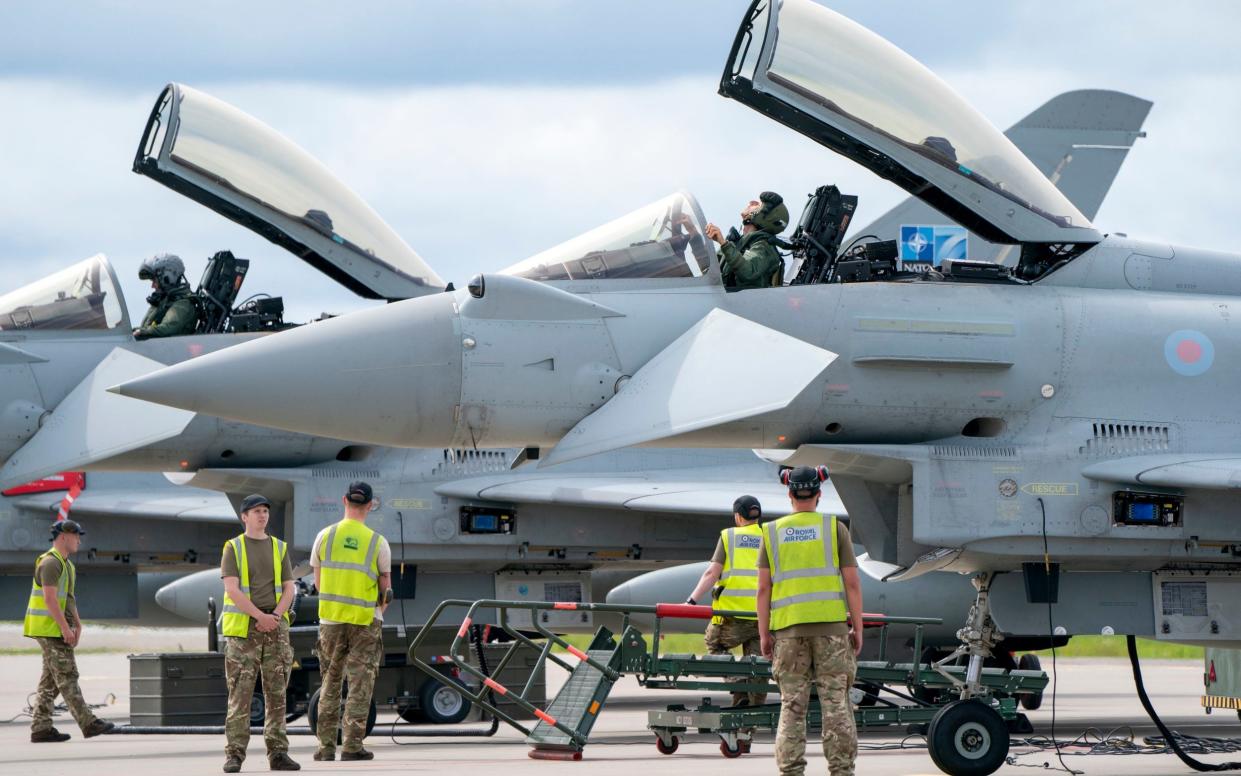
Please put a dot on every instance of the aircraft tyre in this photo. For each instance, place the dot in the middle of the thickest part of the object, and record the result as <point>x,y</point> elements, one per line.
<point>968,738</point>
<point>440,704</point>
<point>1030,663</point>
<point>312,712</point>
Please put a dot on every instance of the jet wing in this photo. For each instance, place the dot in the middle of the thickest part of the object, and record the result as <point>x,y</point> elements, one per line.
<point>677,391</point>
<point>1220,471</point>
<point>91,423</point>
<point>850,90</point>
<point>647,493</point>
<point>239,167</point>
<point>120,504</point>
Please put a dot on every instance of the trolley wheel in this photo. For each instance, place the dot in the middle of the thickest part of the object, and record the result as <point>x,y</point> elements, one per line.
<point>968,738</point>
<point>312,713</point>
<point>667,748</point>
<point>729,752</point>
<point>745,746</point>
<point>1030,663</point>
<point>441,704</point>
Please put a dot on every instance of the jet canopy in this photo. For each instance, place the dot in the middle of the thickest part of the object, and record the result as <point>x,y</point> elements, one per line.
<point>85,296</point>
<point>238,166</point>
<point>664,239</point>
<point>854,92</point>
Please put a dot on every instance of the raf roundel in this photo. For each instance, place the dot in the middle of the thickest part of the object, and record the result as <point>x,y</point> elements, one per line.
<point>1189,352</point>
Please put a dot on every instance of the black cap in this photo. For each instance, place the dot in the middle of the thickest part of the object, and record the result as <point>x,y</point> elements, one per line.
<point>748,507</point>
<point>67,526</point>
<point>804,481</point>
<point>254,500</point>
<point>359,492</point>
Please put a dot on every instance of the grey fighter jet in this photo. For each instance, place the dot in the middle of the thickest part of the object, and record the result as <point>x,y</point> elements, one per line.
<point>424,492</point>
<point>1072,406</point>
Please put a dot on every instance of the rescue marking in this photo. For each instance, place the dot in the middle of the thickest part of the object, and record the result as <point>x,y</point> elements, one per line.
<point>1050,488</point>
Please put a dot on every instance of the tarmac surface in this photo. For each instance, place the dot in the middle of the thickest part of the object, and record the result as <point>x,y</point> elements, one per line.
<point>1093,694</point>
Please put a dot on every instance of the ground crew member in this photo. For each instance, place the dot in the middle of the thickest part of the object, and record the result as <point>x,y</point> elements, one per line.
<point>808,597</point>
<point>258,591</point>
<point>52,620</point>
<point>172,309</point>
<point>735,564</point>
<point>752,261</point>
<point>353,573</point>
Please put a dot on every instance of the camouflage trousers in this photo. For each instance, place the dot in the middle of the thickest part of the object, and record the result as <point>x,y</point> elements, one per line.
<point>270,656</point>
<point>829,664</point>
<point>348,653</point>
<point>60,675</point>
<point>722,638</point>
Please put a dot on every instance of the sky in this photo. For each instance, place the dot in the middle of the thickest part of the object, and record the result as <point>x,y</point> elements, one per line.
<point>486,131</point>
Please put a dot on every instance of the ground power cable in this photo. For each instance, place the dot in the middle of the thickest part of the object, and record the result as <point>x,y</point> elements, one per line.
<point>1172,739</point>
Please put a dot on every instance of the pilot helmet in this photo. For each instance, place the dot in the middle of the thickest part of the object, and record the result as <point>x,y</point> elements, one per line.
<point>166,269</point>
<point>773,216</point>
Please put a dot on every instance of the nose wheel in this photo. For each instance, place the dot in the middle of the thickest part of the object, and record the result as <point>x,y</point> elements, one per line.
<point>968,738</point>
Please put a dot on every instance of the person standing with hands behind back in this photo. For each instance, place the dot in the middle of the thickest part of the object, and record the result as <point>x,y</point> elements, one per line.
<point>810,618</point>
<point>258,591</point>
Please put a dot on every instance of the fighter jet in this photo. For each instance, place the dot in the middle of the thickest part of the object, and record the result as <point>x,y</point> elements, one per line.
<point>423,493</point>
<point>1070,406</point>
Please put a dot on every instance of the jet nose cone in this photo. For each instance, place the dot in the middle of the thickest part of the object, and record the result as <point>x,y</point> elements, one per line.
<point>166,597</point>
<point>389,375</point>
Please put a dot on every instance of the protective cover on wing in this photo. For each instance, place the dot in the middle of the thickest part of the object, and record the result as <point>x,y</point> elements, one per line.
<point>857,94</point>
<point>200,506</point>
<point>239,167</point>
<point>677,391</point>
<point>92,424</point>
<point>1214,471</point>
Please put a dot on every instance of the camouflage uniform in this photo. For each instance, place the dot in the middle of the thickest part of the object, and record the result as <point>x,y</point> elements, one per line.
<point>269,654</point>
<point>721,638</point>
<point>351,653</point>
<point>60,675</point>
<point>830,664</point>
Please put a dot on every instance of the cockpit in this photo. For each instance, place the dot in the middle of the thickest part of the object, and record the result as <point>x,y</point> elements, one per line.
<point>83,297</point>
<point>664,239</point>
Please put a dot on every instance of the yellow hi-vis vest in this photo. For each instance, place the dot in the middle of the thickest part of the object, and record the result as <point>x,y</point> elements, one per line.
<point>740,576</point>
<point>39,620</point>
<point>349,573</point>
<point>235,622</point>
<point>806,585</point>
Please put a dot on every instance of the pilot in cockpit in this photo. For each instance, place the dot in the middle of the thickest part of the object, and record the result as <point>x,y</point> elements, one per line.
<point>173,311</point>
<point>752,261</point>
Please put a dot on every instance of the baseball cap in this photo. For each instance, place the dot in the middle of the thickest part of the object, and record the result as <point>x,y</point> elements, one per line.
<point>748,507</point>
<point>359,492</point>
<point>254,500</point>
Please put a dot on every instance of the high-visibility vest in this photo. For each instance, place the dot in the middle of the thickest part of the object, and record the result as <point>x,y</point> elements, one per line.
<point>235,622</point>
<point>39,621</point>
<point>349,573</point>
<point>804,558</point>
<point>740,575</point>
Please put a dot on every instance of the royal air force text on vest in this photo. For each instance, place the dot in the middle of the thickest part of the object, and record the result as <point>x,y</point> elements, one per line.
<point>793,534</point>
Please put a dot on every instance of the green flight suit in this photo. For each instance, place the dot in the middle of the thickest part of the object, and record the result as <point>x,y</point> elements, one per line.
<point>174,315</point>
<point>752,262</point>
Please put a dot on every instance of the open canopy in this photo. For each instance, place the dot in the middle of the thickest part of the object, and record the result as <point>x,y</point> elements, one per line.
<point>854,92</point>
<point>238,166</point>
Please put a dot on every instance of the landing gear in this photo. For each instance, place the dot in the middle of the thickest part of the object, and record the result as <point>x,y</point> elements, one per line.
<point>978,639</point>
<point>1032,701</point>
<point>968,738</point>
